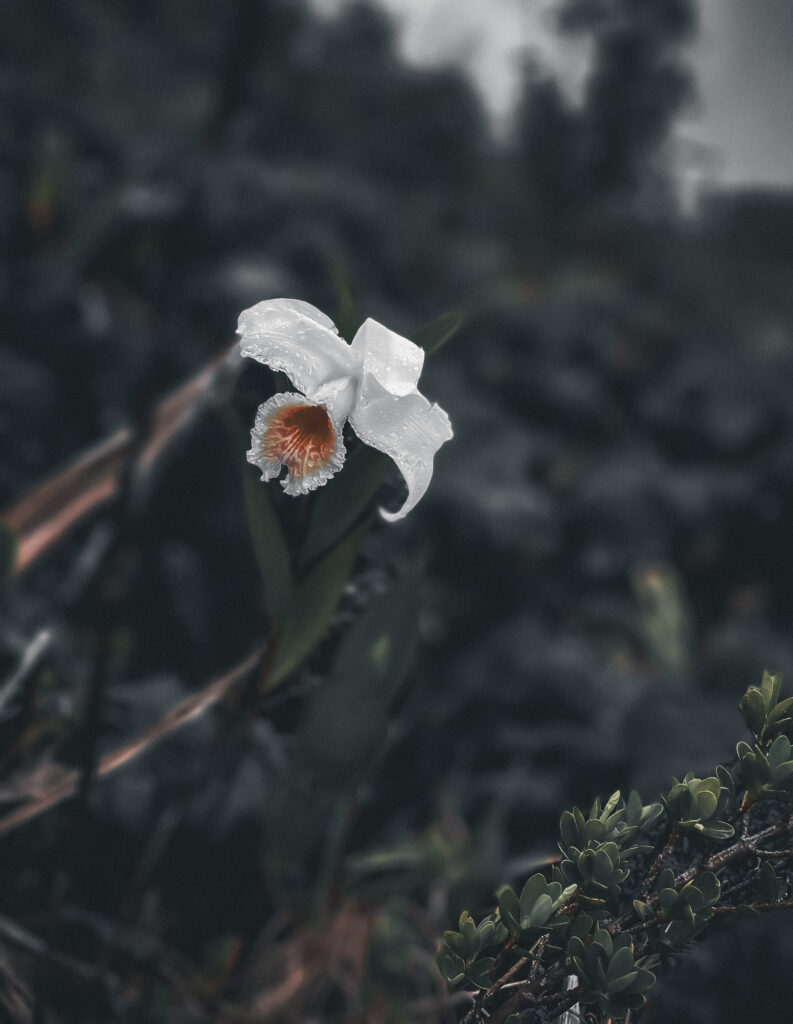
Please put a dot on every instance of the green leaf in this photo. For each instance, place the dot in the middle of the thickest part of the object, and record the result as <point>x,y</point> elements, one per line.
<point>611,805</point>
<point>343,500</point>
<point>433,335</point>
<point>770,687</point>
<point>768,884</point>
<point>753,708</point>
<point>644,981</point>
<point>567,829</point>
<point>703,805</point>
<point>345,723</point>
<point>9,548</point>
<point>451,966</point>
<point>456,942</point>
<point>564,895</point>
<point>779,752</point>
<point>485,930</point>
<point>709,885</point>
<point>469,934</point>
<point>509,909</point>
<point>479,973</point>
<point>347,318</point>
<point>581,925</point>
<point>269,546</point>
<point>717,830</point>
<point>726,780</point>
<point>531,891</point>
<point>621,963</point>
<point>594,831</point>
<point>603,939</point>
<point>541,911</point>
<point>643,911</point>
<point>779,712</point>
<point>618,985</point>
<point>314,603</point>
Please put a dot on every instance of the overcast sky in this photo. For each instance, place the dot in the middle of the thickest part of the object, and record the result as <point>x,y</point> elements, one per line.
<point>743,62</point>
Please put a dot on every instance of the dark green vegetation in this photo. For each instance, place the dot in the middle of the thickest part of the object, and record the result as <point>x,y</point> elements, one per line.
<point>605,546</point>
<point>611,911</point>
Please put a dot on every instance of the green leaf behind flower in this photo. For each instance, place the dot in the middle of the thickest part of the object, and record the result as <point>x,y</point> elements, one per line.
<point>433,335</point>
<point>315,601</point>
<point>339,504</point>
<point>269,546</point>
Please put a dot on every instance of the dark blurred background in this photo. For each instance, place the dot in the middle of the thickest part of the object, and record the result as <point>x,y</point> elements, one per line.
<point>606,542</point>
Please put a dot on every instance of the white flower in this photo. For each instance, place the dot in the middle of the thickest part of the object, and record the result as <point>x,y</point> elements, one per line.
<point>370,382</point>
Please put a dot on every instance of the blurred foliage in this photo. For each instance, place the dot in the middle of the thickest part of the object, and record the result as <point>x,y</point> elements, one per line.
<point>606,541</point>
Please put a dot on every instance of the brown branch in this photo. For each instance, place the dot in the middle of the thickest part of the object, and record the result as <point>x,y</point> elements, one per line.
<point>47,513</point>
<point>186,711</point>
<point>759,907</point>
<point>655,868</point>
<point>742,848</point>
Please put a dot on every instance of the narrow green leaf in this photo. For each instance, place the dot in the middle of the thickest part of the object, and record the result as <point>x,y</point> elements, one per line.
<point>269,546</point>
<point>315,601</point>
<point>343,500</point>
<point>347,318</point>
<point>433,335</point>
<point>344,726</point>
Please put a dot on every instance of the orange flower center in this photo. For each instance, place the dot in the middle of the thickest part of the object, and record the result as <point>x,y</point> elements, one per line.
<point>301,437</point>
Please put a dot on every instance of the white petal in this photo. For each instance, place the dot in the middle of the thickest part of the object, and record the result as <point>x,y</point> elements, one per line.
<point>393,361</point>
<point>311,450</point>
<point>408,429</point>
<point>294,337</point>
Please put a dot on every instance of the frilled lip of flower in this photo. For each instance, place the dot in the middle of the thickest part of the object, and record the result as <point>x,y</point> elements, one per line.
<point>371,382</point>
<point>293,433</point>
